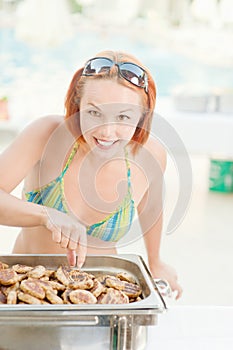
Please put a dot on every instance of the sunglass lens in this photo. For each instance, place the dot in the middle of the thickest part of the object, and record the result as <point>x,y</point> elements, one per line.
<point>97,66</point>
<point>133,73</point>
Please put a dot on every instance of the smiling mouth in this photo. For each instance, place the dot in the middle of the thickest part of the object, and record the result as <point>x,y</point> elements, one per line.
<point>104,144</point>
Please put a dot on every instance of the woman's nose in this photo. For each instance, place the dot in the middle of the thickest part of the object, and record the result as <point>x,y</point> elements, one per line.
<point>107,130</point>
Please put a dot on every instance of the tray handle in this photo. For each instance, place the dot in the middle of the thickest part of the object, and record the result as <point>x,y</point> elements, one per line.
<point>163,287</point>
<point>53,321</point>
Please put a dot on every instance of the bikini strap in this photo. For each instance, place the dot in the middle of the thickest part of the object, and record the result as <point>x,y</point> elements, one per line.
<point>69,160</point>
<point>128,168</point>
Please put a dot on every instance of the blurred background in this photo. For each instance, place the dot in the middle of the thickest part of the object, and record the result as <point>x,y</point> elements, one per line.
<point>187,45</point>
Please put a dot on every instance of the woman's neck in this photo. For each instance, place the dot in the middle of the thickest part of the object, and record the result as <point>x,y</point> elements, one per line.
<point>96,162</point>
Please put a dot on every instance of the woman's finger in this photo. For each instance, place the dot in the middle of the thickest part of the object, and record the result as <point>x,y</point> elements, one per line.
<point>71,257</point>
<point>177,288</point>
<point>72,245</point>
<point>179,292</point>
<point>82,250</point>
<point>56,234</point>
<point>64,241</point>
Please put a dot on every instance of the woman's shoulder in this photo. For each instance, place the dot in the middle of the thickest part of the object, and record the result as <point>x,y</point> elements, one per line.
<point>40,130</point>
<point>152,153</point>
<point>44,125</point>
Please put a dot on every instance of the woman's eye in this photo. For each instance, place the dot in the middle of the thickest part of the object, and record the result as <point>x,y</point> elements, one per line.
<point>123,117</point>
<point>94,113</point>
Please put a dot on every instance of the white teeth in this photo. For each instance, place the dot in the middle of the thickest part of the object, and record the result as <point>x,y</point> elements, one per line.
<point>105,143</point>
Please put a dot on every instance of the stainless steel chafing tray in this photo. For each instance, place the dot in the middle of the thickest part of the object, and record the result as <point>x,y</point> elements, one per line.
<point>68,326</point>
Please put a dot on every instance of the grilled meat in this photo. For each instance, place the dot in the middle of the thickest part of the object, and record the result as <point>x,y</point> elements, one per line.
<point>38,285</point>
<point>8,276</point>
<point>125,276</point>
<point>28,299</point>
<point>65,296</point>
<point>97,288</point>
<point>80,280</point>
<point>130,289</point>
<point>62,274</point>
<point>82,297</point>
<point>7,289</point>
<point>19,268</point>
<point>37,272</point>
<point>53,297</point>
<point>57,285</point>
<point>102,279</point>
<point>3,266</point>
<point>114,296</point>
<point>12,297</point>
<point>3,298</point>
<point>33,288</point>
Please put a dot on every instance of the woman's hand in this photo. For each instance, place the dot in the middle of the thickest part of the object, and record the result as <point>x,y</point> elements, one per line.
<point>69,233</point>
<point>165,271</point>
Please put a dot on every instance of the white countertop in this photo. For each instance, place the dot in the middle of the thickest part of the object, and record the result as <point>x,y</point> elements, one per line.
<point>193,328</point>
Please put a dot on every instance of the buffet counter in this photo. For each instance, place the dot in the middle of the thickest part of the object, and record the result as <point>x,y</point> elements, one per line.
<point>193,328</point>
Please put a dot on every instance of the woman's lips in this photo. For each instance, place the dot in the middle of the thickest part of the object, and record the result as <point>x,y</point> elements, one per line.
<point>104,144</point>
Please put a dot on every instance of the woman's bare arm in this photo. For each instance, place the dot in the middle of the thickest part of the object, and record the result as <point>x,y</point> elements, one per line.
<point>15,164</point>
<point>19,213</point>
<point>150,212</point>
<point>18,159</point>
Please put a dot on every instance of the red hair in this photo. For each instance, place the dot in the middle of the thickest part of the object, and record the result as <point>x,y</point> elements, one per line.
<point>75,93</point>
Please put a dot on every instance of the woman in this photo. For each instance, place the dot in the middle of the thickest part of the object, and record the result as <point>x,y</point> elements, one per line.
<point>85,176</point>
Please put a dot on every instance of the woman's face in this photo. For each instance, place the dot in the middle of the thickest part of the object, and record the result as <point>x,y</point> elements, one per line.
<point>109,114</point>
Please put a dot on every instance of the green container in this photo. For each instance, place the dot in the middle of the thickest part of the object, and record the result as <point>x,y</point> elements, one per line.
<point>221,175</point>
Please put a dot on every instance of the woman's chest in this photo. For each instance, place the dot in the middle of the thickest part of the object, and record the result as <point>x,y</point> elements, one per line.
<point>93,194</point>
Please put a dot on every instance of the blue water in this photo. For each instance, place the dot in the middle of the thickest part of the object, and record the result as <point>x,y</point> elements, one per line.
<point>168,69</point>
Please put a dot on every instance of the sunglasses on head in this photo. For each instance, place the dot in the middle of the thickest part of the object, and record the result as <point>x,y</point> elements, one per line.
<point>131,72</point>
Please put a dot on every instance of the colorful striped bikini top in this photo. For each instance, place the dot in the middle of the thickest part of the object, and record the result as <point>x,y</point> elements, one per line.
<point>112,228</point>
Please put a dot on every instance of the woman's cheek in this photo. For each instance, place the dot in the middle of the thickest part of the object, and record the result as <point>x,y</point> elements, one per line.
<point>87,126</point>
<point>127,132</point>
